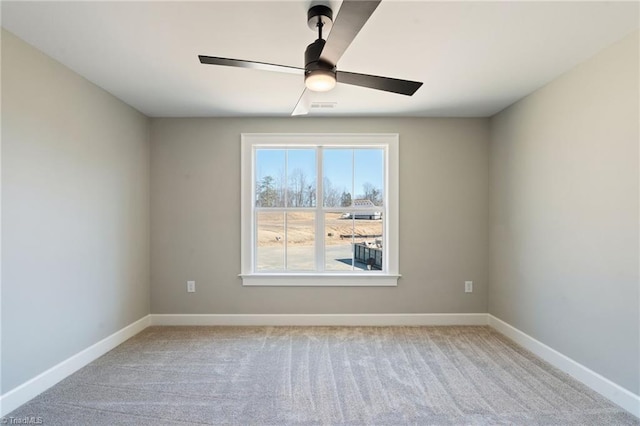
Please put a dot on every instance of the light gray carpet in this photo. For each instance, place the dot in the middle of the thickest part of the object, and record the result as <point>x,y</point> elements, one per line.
<point>321,375</point>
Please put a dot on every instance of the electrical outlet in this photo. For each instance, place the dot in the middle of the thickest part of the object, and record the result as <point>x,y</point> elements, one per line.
<point>191,286</point>
<point>468,286</point>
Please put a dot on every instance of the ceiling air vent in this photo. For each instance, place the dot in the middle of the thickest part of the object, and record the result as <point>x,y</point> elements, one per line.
<point>323,105</point>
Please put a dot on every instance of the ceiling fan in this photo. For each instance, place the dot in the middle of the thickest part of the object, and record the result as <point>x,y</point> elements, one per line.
<point>320,72</point>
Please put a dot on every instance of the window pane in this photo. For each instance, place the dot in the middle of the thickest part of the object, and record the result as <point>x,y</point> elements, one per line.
<point>367,243</point>
<point>301,241</point>
<point>369,175</point>
<point>338,177</point>
<point>338,251</point>
<point>287,179</point>
<point>270,177</point>
<point>350,237</point>
<point>269,241</point>
<point>301,175</point>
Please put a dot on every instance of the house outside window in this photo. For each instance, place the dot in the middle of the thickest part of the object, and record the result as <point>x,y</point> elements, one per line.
<point>320,209</point>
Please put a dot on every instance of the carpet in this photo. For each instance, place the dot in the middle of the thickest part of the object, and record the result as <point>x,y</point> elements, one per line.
<point>321,376</point>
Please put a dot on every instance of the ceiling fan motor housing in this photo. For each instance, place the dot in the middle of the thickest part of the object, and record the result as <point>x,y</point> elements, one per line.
<point>312,59</point>
<point>315,67</point>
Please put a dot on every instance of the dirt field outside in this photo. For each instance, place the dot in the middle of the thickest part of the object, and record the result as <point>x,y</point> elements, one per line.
<point>339,235</point>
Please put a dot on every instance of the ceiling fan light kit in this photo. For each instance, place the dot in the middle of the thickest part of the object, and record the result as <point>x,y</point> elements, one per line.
<point>321,56</point>
<point>320,80</point>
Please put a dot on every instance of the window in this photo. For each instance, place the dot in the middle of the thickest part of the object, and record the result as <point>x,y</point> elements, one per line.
<point>320,209</point>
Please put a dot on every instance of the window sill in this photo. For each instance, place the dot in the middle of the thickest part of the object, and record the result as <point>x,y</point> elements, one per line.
<point>324,280</point>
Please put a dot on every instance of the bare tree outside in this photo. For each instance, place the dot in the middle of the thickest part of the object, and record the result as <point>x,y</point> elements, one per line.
<point>371,193</point>
<point>331,193</point>
<point>301,191</point>
<point>266,193</point>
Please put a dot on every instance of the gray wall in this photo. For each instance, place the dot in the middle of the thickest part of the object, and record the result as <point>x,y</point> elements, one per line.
<point>195,219</point>
<point>564,214</point>
<point>75,213</point>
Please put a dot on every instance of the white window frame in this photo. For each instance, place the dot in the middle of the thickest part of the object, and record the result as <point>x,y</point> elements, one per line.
<point>387,141</point>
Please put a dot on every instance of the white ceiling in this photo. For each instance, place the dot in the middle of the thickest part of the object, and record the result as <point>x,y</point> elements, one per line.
<point>475,58</point>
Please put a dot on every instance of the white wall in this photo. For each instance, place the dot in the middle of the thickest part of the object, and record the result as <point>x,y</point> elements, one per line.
<point>75,213</point>
<point>564,214</point>
<point>195,217</point>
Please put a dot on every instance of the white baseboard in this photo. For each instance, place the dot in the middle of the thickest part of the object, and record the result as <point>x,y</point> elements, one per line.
<point>30,389</point>
<point>615,393</point>
<point>320,319</point>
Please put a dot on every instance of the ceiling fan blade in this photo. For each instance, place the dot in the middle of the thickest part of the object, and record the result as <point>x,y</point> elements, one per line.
<point>351,18</point>
<point>303,105</point>
<point>212,60</point>
<point>403,87</point>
